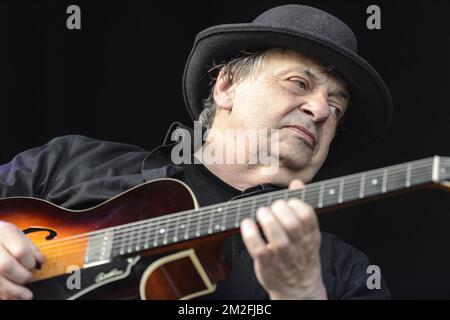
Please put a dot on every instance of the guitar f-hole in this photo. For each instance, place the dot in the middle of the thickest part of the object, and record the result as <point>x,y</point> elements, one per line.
<point>51,233</point>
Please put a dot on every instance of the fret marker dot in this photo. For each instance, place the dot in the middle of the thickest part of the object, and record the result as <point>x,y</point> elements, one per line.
<point>219,209</point>
<point>162,230</point>
<point>331,192</point>
<point>217,227</point>
<point>182,226</point>
<point>374,182</point>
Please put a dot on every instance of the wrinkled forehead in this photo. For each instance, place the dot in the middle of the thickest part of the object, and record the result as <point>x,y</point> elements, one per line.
<point>285,60</point>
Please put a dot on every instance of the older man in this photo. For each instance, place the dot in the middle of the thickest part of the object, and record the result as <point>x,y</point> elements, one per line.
<point>299,77</point>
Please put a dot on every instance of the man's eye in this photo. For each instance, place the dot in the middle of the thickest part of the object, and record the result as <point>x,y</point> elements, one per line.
<point>336,111</point>
<point>300,83</point>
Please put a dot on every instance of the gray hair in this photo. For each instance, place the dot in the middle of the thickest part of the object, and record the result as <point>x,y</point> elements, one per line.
<point>234,71</point>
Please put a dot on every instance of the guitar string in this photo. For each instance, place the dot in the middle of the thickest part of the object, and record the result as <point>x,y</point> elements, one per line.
<point>66,254</point>
<point>201,227</point>
<point>59,261</point>
<point>198,219</point>
<point>118,240</point>
<point>309,188</point>
<point>201,213</point>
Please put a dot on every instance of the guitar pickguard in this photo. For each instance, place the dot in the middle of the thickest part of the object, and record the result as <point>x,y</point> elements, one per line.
<point>86,283</point>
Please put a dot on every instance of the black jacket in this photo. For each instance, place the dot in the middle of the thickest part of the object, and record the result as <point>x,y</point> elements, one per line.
<point>77,172</point>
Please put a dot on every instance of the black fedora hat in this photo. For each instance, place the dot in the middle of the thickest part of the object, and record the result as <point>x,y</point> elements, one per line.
<point>315,33</point>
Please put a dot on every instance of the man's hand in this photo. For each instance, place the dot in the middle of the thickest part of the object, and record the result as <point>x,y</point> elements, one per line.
<point>18,257</point>
<point>288,265</point>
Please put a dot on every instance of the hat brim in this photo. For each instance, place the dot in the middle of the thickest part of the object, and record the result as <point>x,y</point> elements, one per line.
<point>370,110</point>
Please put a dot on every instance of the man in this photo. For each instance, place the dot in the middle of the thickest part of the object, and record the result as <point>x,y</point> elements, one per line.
<point>302,79</point>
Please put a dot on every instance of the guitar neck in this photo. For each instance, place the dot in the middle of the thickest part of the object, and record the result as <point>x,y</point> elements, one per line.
<point>213,219</point>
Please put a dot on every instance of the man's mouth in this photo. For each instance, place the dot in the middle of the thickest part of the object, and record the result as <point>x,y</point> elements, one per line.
<point>303,134</point>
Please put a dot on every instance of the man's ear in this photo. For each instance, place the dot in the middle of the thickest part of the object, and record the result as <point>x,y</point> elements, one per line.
<point>223,92</point>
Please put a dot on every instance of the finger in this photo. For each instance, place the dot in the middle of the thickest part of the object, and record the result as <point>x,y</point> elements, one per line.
<point>277,238</point>
<point>11,269</point>
<point>16,243</point>
<point>311,238</point>
<point>40,258</point>
<point>288,219</point>
<point>296,184</point>
<point>9,290</point>
<point>255,245</point>
<point>305,213</point>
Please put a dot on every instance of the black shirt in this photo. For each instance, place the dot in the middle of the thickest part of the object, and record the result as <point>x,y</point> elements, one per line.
<point>77,172</point>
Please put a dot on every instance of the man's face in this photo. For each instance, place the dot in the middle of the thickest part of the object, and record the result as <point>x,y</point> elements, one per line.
<point>297,96</point>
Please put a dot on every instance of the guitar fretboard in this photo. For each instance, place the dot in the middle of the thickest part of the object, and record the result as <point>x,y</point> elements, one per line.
<point>212,219</point>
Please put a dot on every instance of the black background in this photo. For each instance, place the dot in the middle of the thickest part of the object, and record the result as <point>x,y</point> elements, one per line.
<point>119,78</point>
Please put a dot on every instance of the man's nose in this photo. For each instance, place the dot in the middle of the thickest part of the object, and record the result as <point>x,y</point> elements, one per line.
<point>317,107</point>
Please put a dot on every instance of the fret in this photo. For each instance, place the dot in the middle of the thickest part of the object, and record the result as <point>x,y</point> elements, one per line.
<point>384,185</point>
<point>199,222</point>
<point>177,226</point>
<point>253,209</point>
<point>122,240</point>
<point>373,183</point>
<point>341,190</point>
<point>303,193</point>
<point>165,232</point>
<point>186,226</point>
<point>269,198</point>
<point>138,236</point>
<point>156,233</point>
<point>147,235</point>
<point>331,193</point>
<point>130,241</point>
<point>237,221</point>
<point>193,227</point>
<point>211,221</point>
<point>216,226</point>
<point>224,217</point>
<point>320,203</point>
<point>361,186</point>
<point>170,229</point>
<point>408,176</point>
<point>396,178</point>
<point>351,188</point>
<point>230,214</point>
<point>311,194</point>
<point>435,172</point>
<point>421,173</point>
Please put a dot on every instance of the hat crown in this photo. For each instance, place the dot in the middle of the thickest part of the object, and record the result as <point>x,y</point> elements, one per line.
<point>304,19</point>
